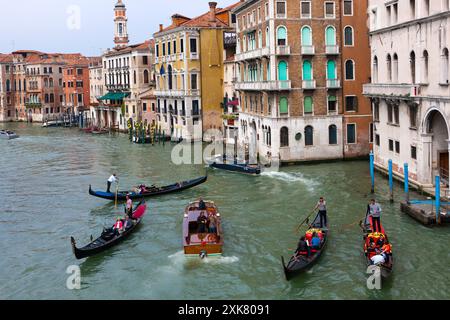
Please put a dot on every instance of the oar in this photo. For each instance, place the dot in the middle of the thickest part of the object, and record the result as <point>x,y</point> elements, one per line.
<point>117,191</point>
<point>304,221</point>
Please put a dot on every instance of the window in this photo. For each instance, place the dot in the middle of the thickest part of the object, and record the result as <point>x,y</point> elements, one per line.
<point>414,152</point>
<point>426,7</point>
<point>281,9</point>
<point>332,104</point>
<point>389,67</point>
<point>330,36</point>
<point>412,7</point>
<point>195,108</point>
<point>412,61</point>
<point>282,71</point>
<point>395,69</point>
<point>284,106</point>
<point>425,67</point>
<point>332,135</point>
<point>144,107</point>
<point>396,115</point>
<point>397,147</point>
<point>351,103</point>
<point>306,36</point>
<point>182,45</point>
<point>157,50</point>
<point>329,10</point>
<point>145,60</point>
<point>307,70</point>
<point>445,67</point>
<point>233,18</point>
<point>348,7</point>
<point>194,82</point>
<point>305,9</point>
<point>348,36</point>
<point>146,77</point>
<point>377,140</point>
<point>413,116</point>
<point>169,48</point>
<point>163,49</point>
<point>351,133</point>
<point>376,111</point>
<point>371,127</point>
<point>281,36</point>
<point>284,137</point>
<point>349,70</point>
<point>308,105</point>
<point>389,110</point>
<point>309,136</point>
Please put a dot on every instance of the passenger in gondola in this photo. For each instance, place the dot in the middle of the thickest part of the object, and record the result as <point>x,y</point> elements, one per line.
<point>386,251</point>
<point>142,188</point>
<point>303,248</point>
<point>118,226</point>
<point>212,224</point>
<point>201,204</point>
<point>129,207</point>
<point>128,223</point>
<point>202,221</point>
<point>315,242</point>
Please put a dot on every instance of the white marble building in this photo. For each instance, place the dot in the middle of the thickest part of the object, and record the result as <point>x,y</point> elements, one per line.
<point>410,89</point>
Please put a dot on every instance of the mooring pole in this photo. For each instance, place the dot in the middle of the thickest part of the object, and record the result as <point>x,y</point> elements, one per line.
<point>372,172</point>
<point>438,198</point>
<point>406,170</point>
<point>391,183</point>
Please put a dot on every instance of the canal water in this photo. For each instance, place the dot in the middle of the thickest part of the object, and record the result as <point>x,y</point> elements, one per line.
<point>44,180</point>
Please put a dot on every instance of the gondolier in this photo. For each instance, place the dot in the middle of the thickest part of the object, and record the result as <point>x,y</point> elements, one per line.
<point>111,179</point>
<point>322,206</point>
<point>375,213</point>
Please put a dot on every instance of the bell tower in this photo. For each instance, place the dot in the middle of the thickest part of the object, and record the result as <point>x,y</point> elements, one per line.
<point>120,25</point>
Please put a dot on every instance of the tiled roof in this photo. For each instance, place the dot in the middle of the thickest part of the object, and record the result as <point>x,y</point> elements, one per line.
<point>5,58</point>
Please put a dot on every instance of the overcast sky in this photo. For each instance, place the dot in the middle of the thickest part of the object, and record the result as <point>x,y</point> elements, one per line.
<point>56,26</point>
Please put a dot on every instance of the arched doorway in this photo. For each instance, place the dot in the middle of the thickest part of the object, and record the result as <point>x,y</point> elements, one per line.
<point>436,128</point>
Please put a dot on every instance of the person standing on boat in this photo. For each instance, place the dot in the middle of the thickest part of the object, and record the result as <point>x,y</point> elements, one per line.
<point>111,179</point>
<point>129,207</point>
<point>375,213</point>
<point>201,204</point>
<point>322,206</point>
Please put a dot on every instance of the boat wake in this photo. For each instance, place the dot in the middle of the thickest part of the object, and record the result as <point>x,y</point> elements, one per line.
<point>290,177</point>
<point>178,259</point>
<point>220,260</point>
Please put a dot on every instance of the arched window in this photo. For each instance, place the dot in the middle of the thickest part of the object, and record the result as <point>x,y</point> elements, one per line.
<point>284,105</point>
<point>425,66</point>
<point>332,135</point>
<point>308,105</point>
<point>445,66</point>
<point>8,85</point>
<point>349,70</point>
<point>375,69</point>
<point>306,36</point>
<point>389,67</point>
<point>331,70</point>
<point>260,39</point>
<point>244,44</point>
<point>412,61</point>
<point>281,36</point>
<point>170,78</point>
<point>267,37</point>
<point>348,36</point>
<point>146,78</point>
<point>307,70</point>
<point>330,36</point>
<point>134,77</point>
<point>284,137</point>
<point>309,136</point>
<point>395,69</point>
<point>282,71</point>
<point>269,137</point>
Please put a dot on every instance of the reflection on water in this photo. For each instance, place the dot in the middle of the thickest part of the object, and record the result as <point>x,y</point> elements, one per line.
<point>45,176</point>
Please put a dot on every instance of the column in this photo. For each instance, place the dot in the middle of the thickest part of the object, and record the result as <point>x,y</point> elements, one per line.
<point>425,163</point>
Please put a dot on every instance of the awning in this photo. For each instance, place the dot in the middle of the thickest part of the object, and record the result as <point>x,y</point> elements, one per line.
<point>114,96</point>
<point>234,103</point>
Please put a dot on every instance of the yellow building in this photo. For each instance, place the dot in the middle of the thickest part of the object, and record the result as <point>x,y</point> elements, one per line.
<point>189,73</point>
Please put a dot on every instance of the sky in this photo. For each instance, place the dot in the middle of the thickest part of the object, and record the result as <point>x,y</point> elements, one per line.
<point>86,26</point>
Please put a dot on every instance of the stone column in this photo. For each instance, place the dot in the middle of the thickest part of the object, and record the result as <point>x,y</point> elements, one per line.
<point>425,163</point>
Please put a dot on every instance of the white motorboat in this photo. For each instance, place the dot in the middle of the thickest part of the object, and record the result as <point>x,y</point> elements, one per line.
<point>8,135</point>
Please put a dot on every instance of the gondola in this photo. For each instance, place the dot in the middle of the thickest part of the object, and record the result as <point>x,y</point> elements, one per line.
<point>367,227</point>
<point>8,135</point>
<point>300,263</point>
<point>234,166</point>
<point>108,239</point>
<point>150,191</point>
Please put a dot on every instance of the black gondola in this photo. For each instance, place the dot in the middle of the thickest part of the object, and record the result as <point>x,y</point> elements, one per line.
<point>300,263</point>
<point>367,227</point>
<point>150,191</point>
<point>108,239</point>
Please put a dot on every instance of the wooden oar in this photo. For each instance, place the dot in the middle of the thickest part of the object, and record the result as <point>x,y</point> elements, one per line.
<point>304,221</point>
<point>117,191</point>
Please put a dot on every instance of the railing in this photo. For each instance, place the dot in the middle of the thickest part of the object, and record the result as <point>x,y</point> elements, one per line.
<point>264,85</point>
<point>308,50</point>
<point>444,174</point>
<point>309,84</point>
<point>253,54</point>
<point>283,50</point>
<point>194,56</point>
<point>333,83</point>
<point>391,89</point>
<point>332,49</point>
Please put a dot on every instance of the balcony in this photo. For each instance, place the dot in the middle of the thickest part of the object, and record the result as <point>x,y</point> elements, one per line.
<point>391,90</point>
<point>308,50</point>
<point>333,84</point>
<point>309,84</point>
<point>181,56</point>
<point>170,93</point>
<point>283,50</point>
<point>264,86</point>
<point>33,104</point>
<point>253,54</point>
<point>194,56</point>
<point>332,50</point>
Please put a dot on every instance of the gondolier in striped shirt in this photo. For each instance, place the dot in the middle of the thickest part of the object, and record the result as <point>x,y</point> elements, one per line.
<point>375,213</point>
<point>111,179</point>
<point>322,206</point>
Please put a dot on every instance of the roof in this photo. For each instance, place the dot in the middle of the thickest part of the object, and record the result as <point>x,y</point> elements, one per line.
<point>139,46</point>
<point>6,58</point>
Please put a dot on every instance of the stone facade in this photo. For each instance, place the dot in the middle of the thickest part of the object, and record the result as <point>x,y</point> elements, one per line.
<point>410,88</point>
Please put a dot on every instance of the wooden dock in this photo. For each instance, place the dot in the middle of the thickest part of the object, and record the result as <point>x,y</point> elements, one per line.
<point>425,213</point>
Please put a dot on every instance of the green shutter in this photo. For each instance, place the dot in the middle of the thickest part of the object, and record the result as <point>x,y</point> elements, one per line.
<point>281,33</point>
<point>330,39</point>
<point>283,105</point>
<point>307,70</point>
<point>332,98</point>
<point>308,104</point>
<point>306,36</point>
<point>282,71</point>
<point>331,70</point>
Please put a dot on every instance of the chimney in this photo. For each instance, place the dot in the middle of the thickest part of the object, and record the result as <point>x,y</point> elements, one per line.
<point>212,11</point>
<point>161,27</point>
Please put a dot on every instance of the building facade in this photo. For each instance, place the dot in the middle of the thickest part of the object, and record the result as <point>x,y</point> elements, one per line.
<point>410,88</point>
<point>189,73</point>
<point>76,84</point>
<point>294,61</point>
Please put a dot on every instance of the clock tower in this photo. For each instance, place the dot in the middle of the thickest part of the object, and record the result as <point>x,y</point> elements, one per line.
<point>120,25</point>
